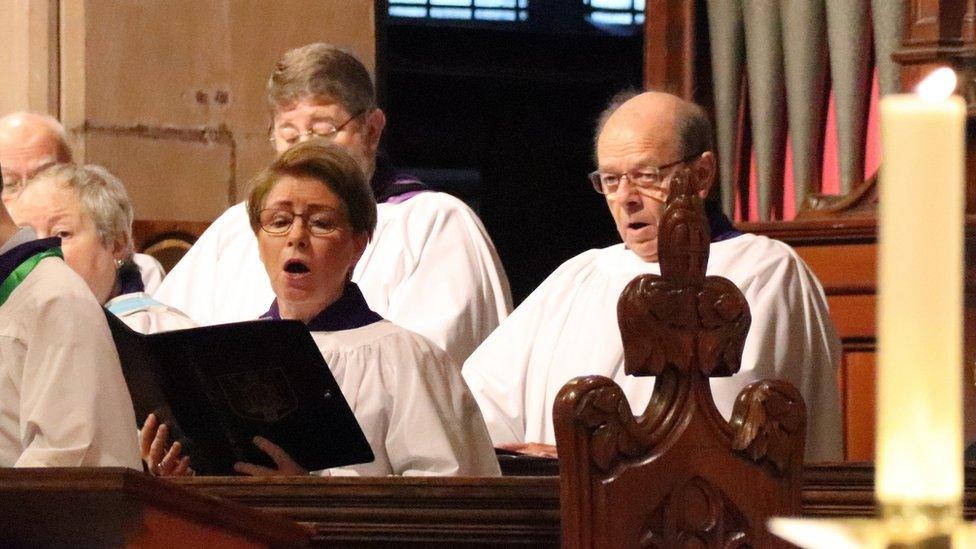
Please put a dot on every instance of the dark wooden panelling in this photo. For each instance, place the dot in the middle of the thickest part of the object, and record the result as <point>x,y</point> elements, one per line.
<point>479,512</point>
<point>397,512</point>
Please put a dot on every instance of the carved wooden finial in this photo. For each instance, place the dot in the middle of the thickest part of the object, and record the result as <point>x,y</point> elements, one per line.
<point>682,317</point>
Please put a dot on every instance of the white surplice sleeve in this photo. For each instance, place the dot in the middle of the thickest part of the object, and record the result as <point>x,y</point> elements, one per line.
<point>435,427</point>
<point>74,407</point>
<point>435,271</point>
<point>498,371</point>
<point>410,401</point>
<point>792,338</point>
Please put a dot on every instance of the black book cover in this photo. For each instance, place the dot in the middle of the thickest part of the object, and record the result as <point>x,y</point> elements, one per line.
<point>216,387</point>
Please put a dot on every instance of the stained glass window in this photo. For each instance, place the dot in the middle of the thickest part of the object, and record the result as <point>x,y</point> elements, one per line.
<point>615,12</point>
<point>479,10</point>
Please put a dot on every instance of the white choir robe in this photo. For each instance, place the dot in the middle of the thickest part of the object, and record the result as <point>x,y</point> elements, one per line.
<point>430,267</point>
<point>150,270</point>
<point>146,315</point>
<point>568,327</point>
<point>63,400</point>
<point>411,402</point>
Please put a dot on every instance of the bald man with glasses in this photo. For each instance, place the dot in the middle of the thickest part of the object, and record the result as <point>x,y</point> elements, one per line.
<point>568,326</point>
<point>29,143</point>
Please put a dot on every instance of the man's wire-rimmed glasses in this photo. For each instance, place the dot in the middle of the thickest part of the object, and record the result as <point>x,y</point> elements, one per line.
<point>320,128</point>
<point>650,178</point>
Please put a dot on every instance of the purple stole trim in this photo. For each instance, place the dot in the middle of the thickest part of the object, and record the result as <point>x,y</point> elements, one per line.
<point>392,187</point>
<point>348,312</point>
<point>719,226</point>
<point>401,198</point>
<point>18,254</point>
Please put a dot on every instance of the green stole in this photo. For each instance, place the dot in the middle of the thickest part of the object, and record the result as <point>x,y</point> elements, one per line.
<point>20,273</point>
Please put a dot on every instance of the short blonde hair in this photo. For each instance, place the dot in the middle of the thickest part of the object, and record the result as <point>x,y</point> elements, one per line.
<point>327,163</point>
<point>101,194</point>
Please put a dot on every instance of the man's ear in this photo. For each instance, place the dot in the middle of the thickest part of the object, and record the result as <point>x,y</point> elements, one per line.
<point>375,124</point>
<point>705,170</point>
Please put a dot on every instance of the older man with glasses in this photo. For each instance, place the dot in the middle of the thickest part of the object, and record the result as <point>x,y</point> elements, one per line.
<point>568,326</point>
<point>29,143</point>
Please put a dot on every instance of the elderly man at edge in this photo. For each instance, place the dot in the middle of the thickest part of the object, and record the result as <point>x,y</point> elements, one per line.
<point>430,266</point>
<point>63,401</point>
<point>568,326</point>
<point>31,143</point>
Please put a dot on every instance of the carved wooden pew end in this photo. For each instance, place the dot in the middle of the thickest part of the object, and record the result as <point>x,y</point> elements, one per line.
<point>679,473</point>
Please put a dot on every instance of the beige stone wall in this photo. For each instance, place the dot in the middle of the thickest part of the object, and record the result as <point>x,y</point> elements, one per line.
<point>28,55</point>
<point>168,94</point>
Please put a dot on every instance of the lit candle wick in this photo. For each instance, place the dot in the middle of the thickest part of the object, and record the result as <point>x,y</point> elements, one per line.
<point>938,85</point>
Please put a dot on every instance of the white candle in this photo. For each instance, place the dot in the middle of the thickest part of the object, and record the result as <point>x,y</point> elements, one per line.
<point>919,446</point>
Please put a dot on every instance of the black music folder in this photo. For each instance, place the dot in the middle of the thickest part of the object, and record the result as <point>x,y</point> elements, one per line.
<point>216,387</point>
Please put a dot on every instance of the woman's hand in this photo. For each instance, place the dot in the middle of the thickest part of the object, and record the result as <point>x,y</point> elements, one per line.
<point>160,460</point>
<point>285,465</point>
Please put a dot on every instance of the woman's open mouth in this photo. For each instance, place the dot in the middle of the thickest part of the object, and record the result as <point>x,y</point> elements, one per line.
<point>296,267</point>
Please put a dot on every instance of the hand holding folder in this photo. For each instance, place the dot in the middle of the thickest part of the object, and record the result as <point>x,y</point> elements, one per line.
<point>217,387</point>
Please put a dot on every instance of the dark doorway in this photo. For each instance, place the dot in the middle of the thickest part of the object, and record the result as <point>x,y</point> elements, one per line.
<point>502,115</point>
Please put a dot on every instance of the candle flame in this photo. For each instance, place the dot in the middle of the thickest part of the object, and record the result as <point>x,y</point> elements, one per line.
<point>938,85</point>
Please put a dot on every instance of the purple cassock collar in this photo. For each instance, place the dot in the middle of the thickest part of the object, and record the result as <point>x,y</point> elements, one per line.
<point>719,225</point>
<point>392,187</point>
<point>130,279</point>
<point>12,259</point>
<point>346,313</point>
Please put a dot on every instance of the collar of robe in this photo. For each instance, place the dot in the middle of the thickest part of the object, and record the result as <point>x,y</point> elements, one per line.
<point>719,225</point>
<point>392,187</point>
<point>346,313</point>
<point>126,303</point>
<point>19,261</point>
